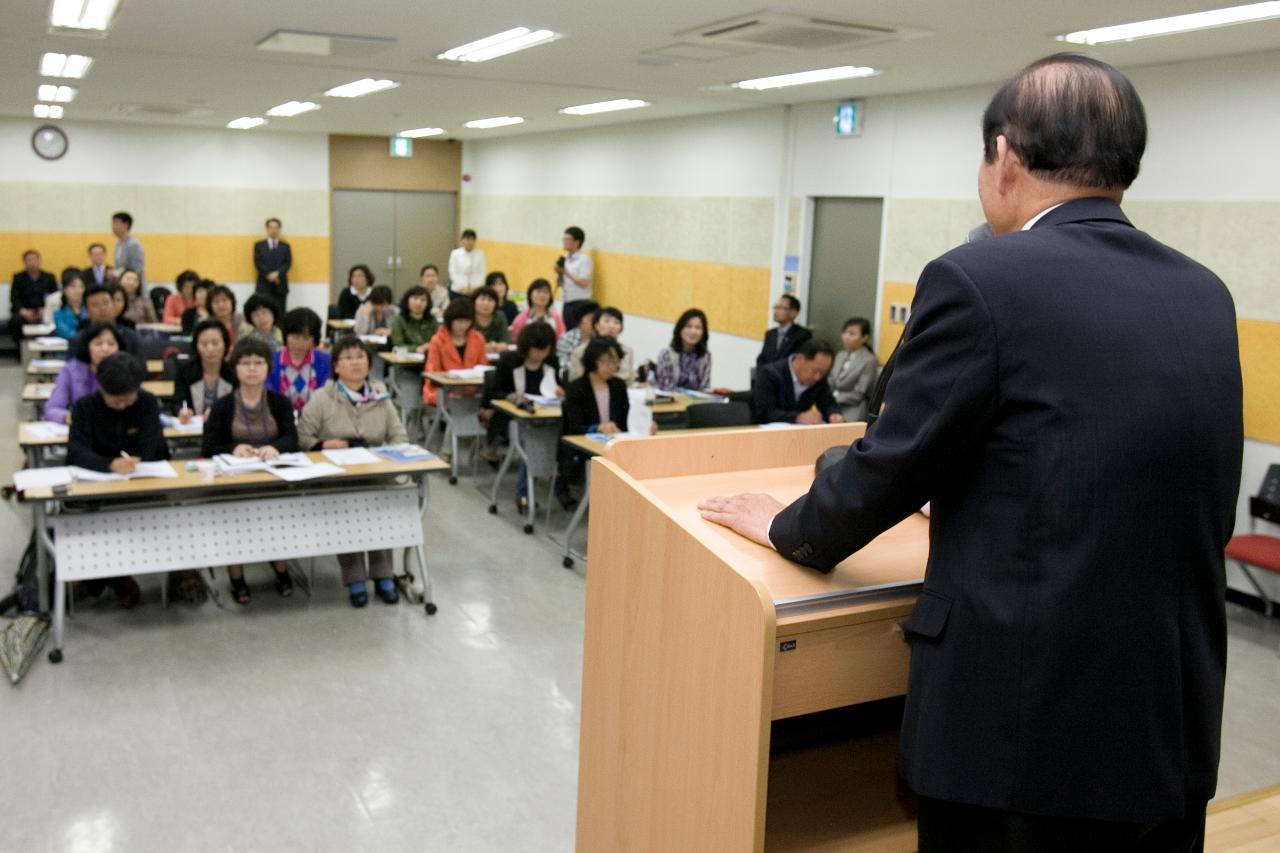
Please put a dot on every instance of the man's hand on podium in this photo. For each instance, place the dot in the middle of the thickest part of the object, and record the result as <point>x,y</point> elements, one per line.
<point>747,515</point>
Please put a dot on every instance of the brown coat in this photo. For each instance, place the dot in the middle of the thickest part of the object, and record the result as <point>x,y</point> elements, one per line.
<point>329,414</point>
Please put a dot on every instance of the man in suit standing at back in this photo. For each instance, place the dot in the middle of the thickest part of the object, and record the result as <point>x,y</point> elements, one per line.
<point>272,258</point>
<point>787,336</point>
<point>1068,649</point>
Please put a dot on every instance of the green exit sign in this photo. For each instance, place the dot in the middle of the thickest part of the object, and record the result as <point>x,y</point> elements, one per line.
<point>401,146</point>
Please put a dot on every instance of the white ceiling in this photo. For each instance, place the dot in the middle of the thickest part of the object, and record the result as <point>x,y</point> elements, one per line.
<point>183,55</point>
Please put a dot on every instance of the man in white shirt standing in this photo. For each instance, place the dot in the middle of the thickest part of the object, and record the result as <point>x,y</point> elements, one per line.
<point>466,266</point>
<point>573,274</point>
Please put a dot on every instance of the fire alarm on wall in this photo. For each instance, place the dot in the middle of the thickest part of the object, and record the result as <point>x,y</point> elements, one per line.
<point>466,176</point>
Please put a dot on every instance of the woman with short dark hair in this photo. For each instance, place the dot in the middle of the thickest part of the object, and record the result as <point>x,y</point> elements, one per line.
<point>261,320</point>
<point>360,281</point>
<point>455,346</point>
<point>200,308</point>
<point>539,298</point>
<point>78,376</point>
<point>298,368</point>
<point>854,371</point>
<point>222,307</point>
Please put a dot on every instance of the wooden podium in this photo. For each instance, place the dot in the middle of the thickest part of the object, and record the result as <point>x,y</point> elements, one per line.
<point>696,640</point>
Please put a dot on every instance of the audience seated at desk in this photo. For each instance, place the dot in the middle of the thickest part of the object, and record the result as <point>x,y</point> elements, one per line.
<point>686,363</point>
<point>98,272</point>
<point>360,282</point>
<point>414,325</point>
<point>183,297</point>
<point>795,390</point>
<point>429,278</point>
<point>539,311</point>
<point>490,322</point>
<point>262,321</point>
<point>580,333</point>
<point>222,307</point>
<point>605,323</point>
<point>71,313</point>
<point>100,305</point>
<point>528,370</point>
<point>207,377</point>
<point>200,310</point>
<point>112,430</point>
<point>498,281</point>
<point>79,378</point>
<point>299,369</point>
<point>137,306</point>
<point>455,346</point>
<point>785,338</point>
<point>854,373</point>
<point>377,314</point>
<point>31,285</point>
<point>252,421</point>
<point>353,411</point>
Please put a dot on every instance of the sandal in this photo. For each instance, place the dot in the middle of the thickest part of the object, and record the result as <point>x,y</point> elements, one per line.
<point>284,584</point>
<point>240,590</point>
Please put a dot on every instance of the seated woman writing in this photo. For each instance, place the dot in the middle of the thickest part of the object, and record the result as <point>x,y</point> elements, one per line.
<point>251,421</point>
<point>352,411</point>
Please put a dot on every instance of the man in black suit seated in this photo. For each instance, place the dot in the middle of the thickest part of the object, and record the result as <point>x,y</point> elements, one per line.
<point>101,308</point>
<point>98,272</point>
<point>272,258</point>
<point>787,336</point>
<point>795,390</point>
<point>27,293</point>
<point>1068,649</point>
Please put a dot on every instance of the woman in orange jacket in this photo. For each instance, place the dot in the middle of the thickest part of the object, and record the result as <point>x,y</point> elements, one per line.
<point>454,346</point>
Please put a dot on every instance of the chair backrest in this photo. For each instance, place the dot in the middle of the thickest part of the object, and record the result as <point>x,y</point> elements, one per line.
<point>1266,505</point>
<point>163,347</point>
<point>334,313</point>
<point>158,296</point>
<point>172,362</point>
<point>704,415</point>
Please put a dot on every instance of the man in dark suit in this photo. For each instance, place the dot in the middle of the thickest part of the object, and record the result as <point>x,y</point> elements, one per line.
<point>795,390</point>
<point>787,336</point>
<point>272,258</point>
<point>27,293</point>
<point>98,272</point>
<point>1068,649</point>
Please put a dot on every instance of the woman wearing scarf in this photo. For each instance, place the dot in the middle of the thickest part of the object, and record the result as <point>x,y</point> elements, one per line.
<point>298,369</point>
<point>352,411</point>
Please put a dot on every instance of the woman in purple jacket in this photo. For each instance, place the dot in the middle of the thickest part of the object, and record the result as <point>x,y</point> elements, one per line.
<point>80,375</point>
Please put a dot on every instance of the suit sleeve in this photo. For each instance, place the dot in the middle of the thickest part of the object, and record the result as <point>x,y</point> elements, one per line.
<point>287,262</point>
<point>260,258</point>
<point>80,450</point>
<point>764,400</point>
<point>941,400</point>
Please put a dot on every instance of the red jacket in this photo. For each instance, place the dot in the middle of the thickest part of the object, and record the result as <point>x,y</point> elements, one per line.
<point>442,355</point>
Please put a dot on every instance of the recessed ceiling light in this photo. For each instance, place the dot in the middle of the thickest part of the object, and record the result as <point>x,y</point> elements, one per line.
<point>421,131</point>
<point>47,111</point>
<point>605,107</point>
<point>499,44</point>
<point>359,88</point>
<point>73,65</point>
<point>246,122</point>
<point>293,108</point>
<point>497,121</point>
<point>56,94</point>
<point>801,78</point>
<point>1176,24</point>
<point>83,16</point>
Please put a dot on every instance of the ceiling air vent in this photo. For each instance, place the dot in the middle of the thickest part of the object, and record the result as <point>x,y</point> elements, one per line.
<point>782,31</point>
<point>163,110</point>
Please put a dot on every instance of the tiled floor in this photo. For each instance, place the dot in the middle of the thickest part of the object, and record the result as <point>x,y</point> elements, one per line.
<point>306,725</point>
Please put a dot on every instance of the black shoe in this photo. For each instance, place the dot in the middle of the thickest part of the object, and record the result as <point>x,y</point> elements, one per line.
<point>240,590</point>
<point>389,595</point>
<point>284,584</point>
<point>359,599</point>
<point>567,500</point>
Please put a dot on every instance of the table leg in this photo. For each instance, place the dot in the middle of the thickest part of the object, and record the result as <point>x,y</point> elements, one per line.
<point>512,441</point>
<point>576,520</point>
<point>424,500</point>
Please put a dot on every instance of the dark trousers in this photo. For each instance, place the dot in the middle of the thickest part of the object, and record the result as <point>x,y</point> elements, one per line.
<point>947,827</point>
<point>573,312</point>
<point>280,297</point>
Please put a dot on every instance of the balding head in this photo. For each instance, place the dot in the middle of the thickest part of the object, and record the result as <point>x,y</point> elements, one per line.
<point>1071,120</point>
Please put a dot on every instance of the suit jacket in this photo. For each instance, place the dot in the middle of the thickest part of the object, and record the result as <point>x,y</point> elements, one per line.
<point>1069,646</point>
<point>796,336</point>
<point>26,292</point>
<point>266,260</point>
<point>773,398</point>
<point>129,255</point>
<point>91,275</point>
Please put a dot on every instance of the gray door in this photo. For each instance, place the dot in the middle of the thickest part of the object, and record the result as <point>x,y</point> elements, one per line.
<point>426,231</point>
<point>845,264</point>
<point>394,233</point>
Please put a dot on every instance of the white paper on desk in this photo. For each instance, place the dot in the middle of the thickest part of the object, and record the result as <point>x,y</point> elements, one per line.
<point>778,425</point>
<point>539,400</point>
<point>48,364</point>
<point>144,471</point>
<point>38,478</point>
<point>195,426</point>
<point>350,456</point>
<point>310,472</point>
<point>476,372</point>
<point>379,340</point>
<point>52,342</point>
<point>48,429</point>
<point>640,417</point>
<point>412,356</point>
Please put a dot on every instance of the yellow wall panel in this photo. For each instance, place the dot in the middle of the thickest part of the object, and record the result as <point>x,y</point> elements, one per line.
<point>895,292</point>
<point>221,257</point>
<point>1260,366</point>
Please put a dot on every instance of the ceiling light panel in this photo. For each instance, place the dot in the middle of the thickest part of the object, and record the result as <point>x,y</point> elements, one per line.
<point>360,88</point>
<point>1176,24</point>
<point>606,107</point>
<point>496,121</point>
<point>246,123</point>
<point>499,44</point>
<point>293,108</point>
<point>47,111</point>
<point>419,132</point>
<point>803,78</point>
<point>72,66</point>
<point>55,94</point>
<point>85,17</point>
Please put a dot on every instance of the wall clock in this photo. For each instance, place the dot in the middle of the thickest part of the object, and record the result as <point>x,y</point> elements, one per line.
<point>49,142</point>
